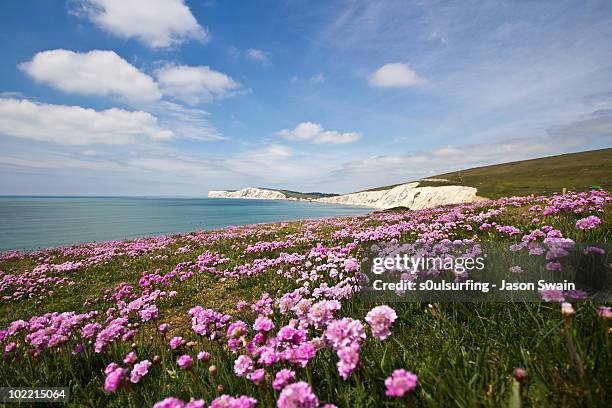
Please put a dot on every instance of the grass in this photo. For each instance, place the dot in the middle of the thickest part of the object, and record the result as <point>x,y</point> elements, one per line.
<point>463,353</point>
<point>574,171</point>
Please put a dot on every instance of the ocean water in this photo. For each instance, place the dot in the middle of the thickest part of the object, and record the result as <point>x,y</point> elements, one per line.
<point>29,223</point>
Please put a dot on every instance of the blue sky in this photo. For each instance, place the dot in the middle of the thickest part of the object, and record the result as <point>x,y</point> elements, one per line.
<point>171,97</point>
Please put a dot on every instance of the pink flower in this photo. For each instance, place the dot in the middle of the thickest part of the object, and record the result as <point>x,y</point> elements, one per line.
<point>263,324</point>
<point>605,312</point>
<point>552,295</point>
<point>203,356</point>
<point>321,313</point>
<point>283,377</point>
<point>298,394</point>
<point>227,401</point>
<point>243,365</point>
<point>130,358</point>
<point>140,370</point>
<point>237,329</point>
<point>114,379</point>
<point>175,342</point>
<point>257,376</point>
<point>184,361</point>
<point>589,222</point>
<point>349,360</point>
<point>341,333</point>
<point>516,269</point>
<point>380,320</point>
<point>400,382</point>
<point>163,328</point>
<point>170,402</point>
<point>110,368</point>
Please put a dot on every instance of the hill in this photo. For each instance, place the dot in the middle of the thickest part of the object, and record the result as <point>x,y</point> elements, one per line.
<point>574,171</point>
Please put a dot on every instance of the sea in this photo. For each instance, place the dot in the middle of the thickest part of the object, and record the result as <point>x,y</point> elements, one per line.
<point>30,223</point>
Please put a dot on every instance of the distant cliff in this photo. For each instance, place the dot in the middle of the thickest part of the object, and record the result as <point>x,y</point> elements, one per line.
<point>407,195</point>
<point>249,192</point>
<point>404,195</point>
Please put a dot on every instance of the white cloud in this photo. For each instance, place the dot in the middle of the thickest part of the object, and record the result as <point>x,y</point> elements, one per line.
<point>188,123</point>
<point>74,125</point>
<point>318,79</point>
<point>258,55</point>
<point>314,133</point>
<point>395,75</point>
<point>195,84</point>
<point>100,73</point>
<point>158,24</point>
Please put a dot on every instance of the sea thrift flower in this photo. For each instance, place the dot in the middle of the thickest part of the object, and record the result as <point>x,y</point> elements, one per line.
<point>163,328</point>
<point>140,370</point>
<point>589,222</point>
<point>257,376</point>
<point>516,269</point>
<point>184,361</point>
<point>349,360</point>
<point>110,368</point>
<point>520,375</point>
<point>567,309</point>
<point>380,320</point>
<point>243,365</point>
<point>298,394</point>
<point>605,312</point>
<point>170,402</point>
<point>341,333</point>
<point>400,382</point>
<point>321,313</point>
<point>552,295</point>
<point>237,329</point>
<point>227,401</point>
<point>263,324</point>
<point>114,379</point>
<point>175,342</point>
<point>130,358</point>
<point>203,356</point>
<point>283,377</point>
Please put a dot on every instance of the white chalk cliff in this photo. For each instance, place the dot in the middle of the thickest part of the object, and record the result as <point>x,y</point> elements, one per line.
<point>249,192</point>
<point>405,195</point>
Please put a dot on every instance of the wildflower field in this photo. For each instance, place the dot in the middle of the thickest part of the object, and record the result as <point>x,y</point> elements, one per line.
<point>269,315</point>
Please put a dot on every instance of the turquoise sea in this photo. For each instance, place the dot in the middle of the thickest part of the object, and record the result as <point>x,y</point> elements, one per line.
<point>40,222</point>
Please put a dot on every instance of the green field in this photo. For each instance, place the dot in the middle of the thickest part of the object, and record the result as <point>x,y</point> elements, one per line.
<point>573,171</point>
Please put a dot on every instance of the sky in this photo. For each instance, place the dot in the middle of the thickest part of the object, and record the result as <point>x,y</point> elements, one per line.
<point>175,98</point>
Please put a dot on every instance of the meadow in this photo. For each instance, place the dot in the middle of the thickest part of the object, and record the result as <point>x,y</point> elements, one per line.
<point>270,315</point>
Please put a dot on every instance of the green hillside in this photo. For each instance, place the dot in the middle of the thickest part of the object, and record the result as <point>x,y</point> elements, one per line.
<point>574,171</point>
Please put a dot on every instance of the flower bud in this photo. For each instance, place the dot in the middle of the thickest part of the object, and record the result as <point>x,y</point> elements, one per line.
<point>567,309</point>
<point>212,370</point>
<point>520,375</point>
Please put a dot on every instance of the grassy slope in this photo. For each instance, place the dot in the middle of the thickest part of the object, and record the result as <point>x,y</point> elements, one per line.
<point>574,171</point>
